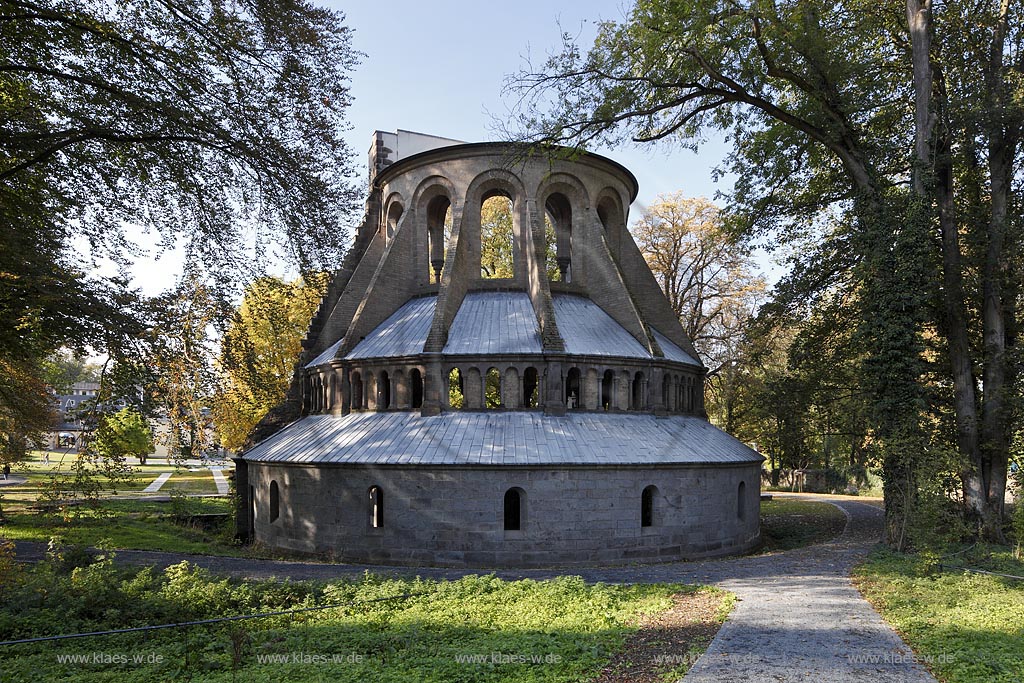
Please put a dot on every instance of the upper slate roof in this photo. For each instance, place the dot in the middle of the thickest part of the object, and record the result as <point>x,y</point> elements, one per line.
<point>502,438</point>
<point>588,330</point>
<point>494,323</point>
<point>489,323</point>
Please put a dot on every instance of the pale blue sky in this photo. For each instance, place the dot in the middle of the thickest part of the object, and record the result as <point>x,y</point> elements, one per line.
<point>439,67</point>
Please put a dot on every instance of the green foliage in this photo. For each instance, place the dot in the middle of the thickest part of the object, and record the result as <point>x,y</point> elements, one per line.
<point>576,626</point>
<point>258,352</point>
<point>124,433</point>
<point>497,243</point>
<point>966,627</point>
<point>455,396</point>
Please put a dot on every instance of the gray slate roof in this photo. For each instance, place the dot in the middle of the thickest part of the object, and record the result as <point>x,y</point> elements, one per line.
<point>494,323</point>
<point>588,330</point>
<point>671,351</point>
<point>503,323</point>
<point>502,438</point>
<point>403,334</point>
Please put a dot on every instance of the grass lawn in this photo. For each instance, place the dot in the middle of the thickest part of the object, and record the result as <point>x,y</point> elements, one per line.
<point>478,628</point>
<point>788,524</point>
<point>967,628</point>
<point>124,524</point>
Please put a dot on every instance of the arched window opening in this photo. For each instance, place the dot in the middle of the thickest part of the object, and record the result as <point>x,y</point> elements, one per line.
<point>550,250</point>
<point>416,379</point>
<point>492,389</point>
<point>572,389</point>
<point>613,222</point>
<point>666,392</point>
<point>647,506</point>
<point>530,388</point>
<point>637,398</point>
<point>376,507</point>
<point>559,209</point>
<point>357,391</point>
<point>275,502</point>
<point>439,228</point>
<point>497,238</point>
<point>384,392</point>
<point>741,501</point>
<point>394,215</point>
<point>607,387</point>
<point>514,507</point>
<point>456,397</point>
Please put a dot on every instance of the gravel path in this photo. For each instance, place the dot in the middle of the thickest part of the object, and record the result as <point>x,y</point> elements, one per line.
<point>799,618</point>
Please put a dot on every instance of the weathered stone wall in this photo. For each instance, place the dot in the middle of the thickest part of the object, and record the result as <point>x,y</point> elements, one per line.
<point>454,516</point>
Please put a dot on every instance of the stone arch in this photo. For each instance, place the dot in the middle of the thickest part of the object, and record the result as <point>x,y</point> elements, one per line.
<point>514,509</point>
<point>275,502</point>
<point>376,506</point>
<point>383,390</point>
<point>393,215</point>
<point>607,401</point>
<point>591,390</point>
<point>370,390</point>
<point>493,398</point>
<point>612,215</point>
<point>356,382</point>
<point>637,394</point>
<point>648,506</point>
<point>573,389</point>
<point>456,391</point>
<point>433,199</point>
<point>491,183</point>
<point>666,391</point>
<point>531,388</point>
<point>565,202</point>
<point>399,389</point>
<point>415,388</point>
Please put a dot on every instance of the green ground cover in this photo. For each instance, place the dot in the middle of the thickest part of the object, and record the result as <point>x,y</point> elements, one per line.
<point>968,628</point>
<point>478,628</point>
<point>788,523</point>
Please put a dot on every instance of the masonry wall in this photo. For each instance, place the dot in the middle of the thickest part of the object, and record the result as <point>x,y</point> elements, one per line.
<point>449,516</point>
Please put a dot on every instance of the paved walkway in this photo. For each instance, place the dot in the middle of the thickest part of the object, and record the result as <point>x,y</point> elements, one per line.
<point>220,481</point>
<point>798,618</point>
<point>158,483</point>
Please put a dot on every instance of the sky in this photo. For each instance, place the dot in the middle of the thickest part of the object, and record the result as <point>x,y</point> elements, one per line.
<point>439,67</point>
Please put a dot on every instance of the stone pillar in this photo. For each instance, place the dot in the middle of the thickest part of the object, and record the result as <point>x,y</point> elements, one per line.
<point>553,385</point>
<point>433,384</point>
<point>344,405</point>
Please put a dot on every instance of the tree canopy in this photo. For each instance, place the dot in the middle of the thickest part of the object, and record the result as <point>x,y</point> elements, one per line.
<point>879,144</point>
<point>207,127</point>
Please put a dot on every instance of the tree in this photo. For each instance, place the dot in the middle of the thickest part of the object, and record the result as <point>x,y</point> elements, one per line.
<point>706,275</point>
<point>832,108</point>
<point>215,127</point>
<point>63,368</point>
<point>124,433</point>
<point>496,240</point>
<point>258,352</point>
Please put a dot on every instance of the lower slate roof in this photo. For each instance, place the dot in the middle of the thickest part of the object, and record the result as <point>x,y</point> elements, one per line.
<point>500,438</point>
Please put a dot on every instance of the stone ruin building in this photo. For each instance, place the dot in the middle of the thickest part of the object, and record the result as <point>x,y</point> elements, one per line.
<point>549,412</point>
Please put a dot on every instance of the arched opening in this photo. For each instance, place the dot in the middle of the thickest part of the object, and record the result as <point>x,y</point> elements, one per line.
<point>275,502</point>
<point>530,388</point>
<point>439,228</point>
<point>607,389</point>
<point>559,210</point>
<point>384,391</point>
<point>613,222</point>
<point>741,501</point>
<point>647,510</point>
<point>637,395</point>
<point>357,391</point>
<point>416,379</point>
<point>572,389</point>
<point>666,392</point>
<point>376,507</point>
<point>394,215</point>
<point>456,397</point>
<point>497,237</point>
<point>514,509</point>
<point>492,389</point>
